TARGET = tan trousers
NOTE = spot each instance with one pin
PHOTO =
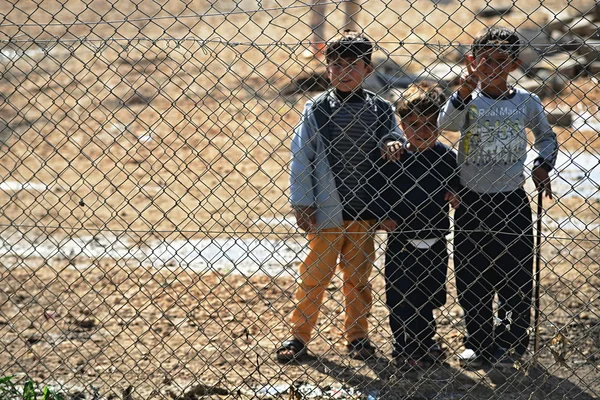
(353, 245)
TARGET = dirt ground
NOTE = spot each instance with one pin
(164, 332)
(119, 145)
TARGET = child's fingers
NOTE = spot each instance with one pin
(469, 59)
(393, 151)
(470, 68)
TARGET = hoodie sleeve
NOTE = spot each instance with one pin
(384, 193)
(454, 184)
(302, 166)
(452, 117)
(545, 143)
(393, 131)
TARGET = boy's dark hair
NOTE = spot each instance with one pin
(504, 39)
(349, 45)
(423, 98)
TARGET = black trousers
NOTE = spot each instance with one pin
(415, 286)
(494, 255)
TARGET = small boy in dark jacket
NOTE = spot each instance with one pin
(414, 210)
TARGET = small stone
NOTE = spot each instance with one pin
(445, 74)
(560, 117)
(565, 64)
(87, 323)
(557, 22)
(546, 84)
(566, 41)
(584, 28)
(455, 53)
(34, 338)
(534, 43)
(574, 304)
(585, 315)
(77, 395)
(594, 68)
(496, 11)
(590, 49)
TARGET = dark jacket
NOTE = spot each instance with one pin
(413, 192)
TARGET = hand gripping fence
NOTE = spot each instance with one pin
(198, 203)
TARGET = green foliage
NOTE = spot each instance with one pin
(7, 388)
(50, 394)
(28, 391)
(9, 391)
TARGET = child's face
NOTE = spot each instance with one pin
(421, 131)
(346, 74)
(492, 67)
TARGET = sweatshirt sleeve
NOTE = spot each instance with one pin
(545, 142)
(393, 131)
(383, 192)
(452, 117)
(302, 166)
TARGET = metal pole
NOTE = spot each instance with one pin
(352, 8)
(538, 251)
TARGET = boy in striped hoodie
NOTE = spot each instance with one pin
(342, 139)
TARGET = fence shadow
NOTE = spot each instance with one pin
(440, 382)
(445, 381)
(547, 385)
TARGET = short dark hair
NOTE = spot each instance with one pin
(350, 45)
(504, 39)
(423, 98)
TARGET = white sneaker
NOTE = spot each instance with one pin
(470, 359)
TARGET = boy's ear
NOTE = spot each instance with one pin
(370, 68)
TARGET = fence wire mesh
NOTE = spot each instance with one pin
(148, 248)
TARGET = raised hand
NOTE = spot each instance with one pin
(392, 151)
(468, 80)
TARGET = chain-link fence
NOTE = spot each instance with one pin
(148, 245)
